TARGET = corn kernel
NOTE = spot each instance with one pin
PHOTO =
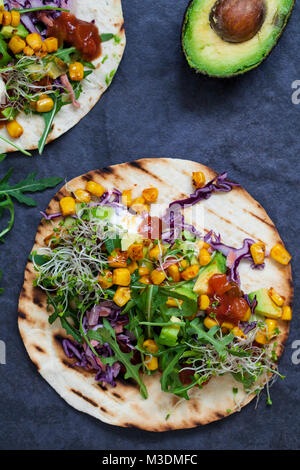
(95, 188)
(67, 206)
(286, 313)
(202, 244)
(133, 266)
(44, 105)
(122, 296)
(173, 272)
(156, 251)
(258, 251)
(76, 72)
(42, 52)
(150, 346)
(173, 302)
(144, 271)
(1, 15)
(16, 44)
(204, 257)
(6, 20)
(280, 254)
(150, 195)
(198, 179)
(210, 322)
(238, 332)
(204, 302)
(118, 259)
(51, 44)
(277, 299)
(184, 263)
(106, 280)
(226, 325)
(34, 40)
(136, 251)
(14, 129)
(15, 18)
(83, 196)
(28, 51)
(247, 315)
(157, 277)
(145, 280)
(139, 206)
(190, 272)
(121, 277)
(151, 363)
(265, 336)
(127, 198)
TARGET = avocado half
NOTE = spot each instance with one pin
(224, 38)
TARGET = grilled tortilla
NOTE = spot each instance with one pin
(235, 215)
(108, 17)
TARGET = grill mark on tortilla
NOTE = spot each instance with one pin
(102, 387)
(37, 302)
(92, 402)
(38, 348)
(259, 218)
(103, 409)
(139, 166)
(109, 170)
(68, 364)
(115, 394)
(230, 223)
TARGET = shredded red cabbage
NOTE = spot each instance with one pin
(233, 255)
(174, 220)
(218, 184)
(86, 358)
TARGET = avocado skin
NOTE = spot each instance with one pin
(265, 306)
(239, 72)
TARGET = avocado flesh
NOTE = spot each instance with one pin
(10, 31)
(265, 305)
(216, 266)
(209, 54)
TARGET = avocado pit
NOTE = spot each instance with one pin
(237, 20)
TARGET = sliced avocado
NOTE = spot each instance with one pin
(36, 71)
(169, 334)
(216, 266)
(228, 37)
(9, 31)
(265, 305)
(128, 239)
(55, 68)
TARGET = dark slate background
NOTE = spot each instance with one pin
(157, 107)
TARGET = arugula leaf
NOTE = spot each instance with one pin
(7, 204)
(65, 54)
(5, 57)
(209, 336)
(113, 243)
(49, 118)
(168, 369)
(3, 156)
(108, 335)
(15, 146)
(189, 306)
(28, 185)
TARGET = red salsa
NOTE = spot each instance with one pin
(78, 33)
(226, 300)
